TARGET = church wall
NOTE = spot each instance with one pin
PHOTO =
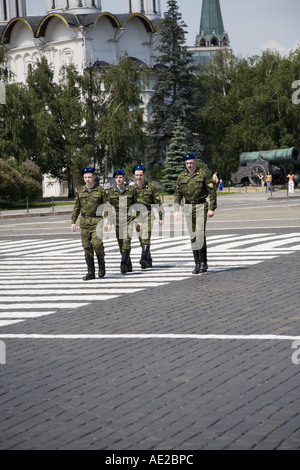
(136, 41)
(101, 40)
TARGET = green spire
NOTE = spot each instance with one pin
(211, 18)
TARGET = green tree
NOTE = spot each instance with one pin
(58, 115)
(18, 181)
(173, 164)
(246, 105)
(120, 126)
(17, 127)
(173, 96)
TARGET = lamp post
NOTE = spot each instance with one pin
(92, 114)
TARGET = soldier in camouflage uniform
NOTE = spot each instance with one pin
(148, 196)
(195, 185)
(88, 199)
(122, 197)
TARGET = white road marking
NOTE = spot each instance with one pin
(39, 277)
(154, 336)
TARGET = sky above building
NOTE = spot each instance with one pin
(252, 25)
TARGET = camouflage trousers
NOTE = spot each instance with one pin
(124, 232)
(196, 217)
(90, 241)
(146, 230)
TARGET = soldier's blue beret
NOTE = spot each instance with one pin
(88, 170)
(189, 156)
(119, 173)
(138, 167)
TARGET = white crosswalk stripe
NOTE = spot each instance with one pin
(39, 277)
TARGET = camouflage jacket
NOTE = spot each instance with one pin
(196, 187)
(148, 195)
(121, 200)
(87, 202)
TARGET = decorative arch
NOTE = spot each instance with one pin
(44, 23)
(214, 41)
(160, 24)
(147, 23)
(5, 39)
(112, 18)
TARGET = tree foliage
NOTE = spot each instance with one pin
(173, 164)
(19, 181)
(173, 96)
(120, 125)
(76, 121)
(57, 112)
(246, 105)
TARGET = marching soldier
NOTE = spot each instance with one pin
(148, 196)
(89, 198)
(122, 197)
(195, 185)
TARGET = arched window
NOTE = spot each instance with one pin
(53, 4)
(202, 42)
(17, 8)
(142, 6)
(154, 6)
(214, 41)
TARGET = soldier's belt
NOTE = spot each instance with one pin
(197, 201)
(90, 215)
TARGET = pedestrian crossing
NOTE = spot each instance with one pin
(39, 277)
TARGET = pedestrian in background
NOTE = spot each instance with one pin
(262, 181)
(269, 181)
(106, 185)
(290, 178)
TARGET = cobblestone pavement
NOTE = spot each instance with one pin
(167, 361)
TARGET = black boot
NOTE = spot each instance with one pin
(197, 261)
(101, 264)
(149, 261)
(91, 269)
(129, 265)
(203, 259)
(124, 262)
(145, 256)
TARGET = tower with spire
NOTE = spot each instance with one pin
(212, 36)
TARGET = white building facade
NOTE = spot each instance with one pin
(78, 32)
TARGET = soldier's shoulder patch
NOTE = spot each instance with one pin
(211, 185)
